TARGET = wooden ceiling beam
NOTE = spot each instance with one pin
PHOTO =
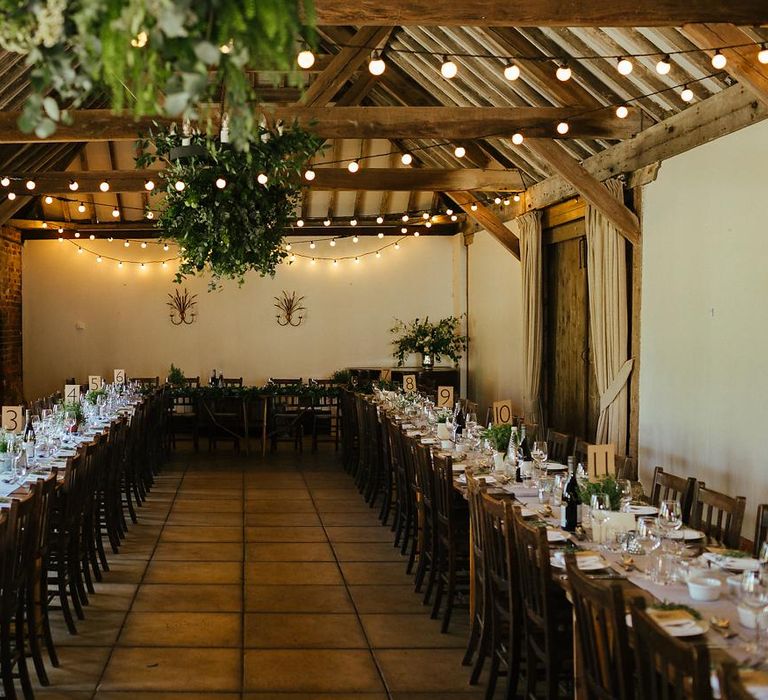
(590, 188)
(541, 13)
(488, 219)
(355, 122)
(742, 63)
(330, 179)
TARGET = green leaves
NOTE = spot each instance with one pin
(438, 339)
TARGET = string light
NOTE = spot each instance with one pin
(355, 239)
(517, 138)
(378, 254)
(179, 185)
(149, 185)
(335, 262)
(61, 240)
(397, 246)
(92, 237)
(516, 198)
(11, 196)
(664, 66)
(762, 55)
(81, 208)
(165, 247)
(428, 224)
(143, 244)
(459, 151)
(353, 222)
(300, 223)
(624, 66)
(377, 65)
(622, 112)
(406, 159)
(305, 59)
(5, 182)
(262, 179)
(150, 215)
(473, 206)
(449, 211)
(221, 183)
(104, 186)
(511, 71)
(404, 230)
(563, 128)
(416, 234)
(448, 68)
(127, 244)
(77, 234)
(60, 229)
(379, 219)
(74, 186)
(454, 217)
(48, 199)
(333, 243)
(497, 200)
(380, 234)
(719, 60)
(425, 216)
(98, 259)
(357, 260)
(80, 250)
(120, 263)
(353, 166)
(309, 175)
(312, 245)
(30, 185)
(405, 217)
(687, 94)
(563, 72)
(326, 223)
(116, 212)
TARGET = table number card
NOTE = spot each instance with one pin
(119, 376)
(385, 375)
(502, 412)
(409, 383)
(71, 393)
(445, 397)
(13, 418)
(95, 382)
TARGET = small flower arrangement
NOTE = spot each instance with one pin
(439, 339)
(498, 436)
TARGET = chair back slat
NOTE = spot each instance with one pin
(718, 515)
(667, 487)
(558, 445)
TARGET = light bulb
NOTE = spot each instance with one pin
(262, 179)
(313, 261)
(397, 246)
(77, 234)
(406, 159)
(403, 230)
(473, 206)
(379, 219)
(116, 213)
(98, 259)
(312, 245)
(164, 264)
(416, 234)
(624, 66)
(512, 71)
(179, 185)
(448, 68)
(300, 222)
(333, 243)
(687, 94)
(353, 166)
(719, 60)
(81, 208)
(563, 72)
(378, 254)
(335, 262)
(563, 128)
(61, 240)
(104, 186)
(11, 196)
(506, 202)
(377, 65)
(353, 222)
(459, 151)
(110, 239)
(61, 229)
(327, 222)
(120, 263)
(127, 244)
(221, 183)
(449, 212)
(288, 247)
(45, 224)
(517, 138)
(355, 239)
(142, 266)
(357, 260)
(309, 175)
(48, 199)
(516, 198)
(428, 224)
(150, 215)
(30, 185)
(92, 236)
(74, 186)
(664, 66)
(79, 250)
(622, 112)
(143, 244)
(762, 55)
(165, 247)
(5, 182)
(305, 59)
(405, 217)
(292, 258)
(454, 217)
(425, 216)
(497, 200)
(149, 185)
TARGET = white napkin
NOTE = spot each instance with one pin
(740, 563)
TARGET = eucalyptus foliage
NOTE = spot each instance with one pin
(154, 57)
(437, 339)
(238, 228)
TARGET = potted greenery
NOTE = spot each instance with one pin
(4, 461)
(176, 377)
(432, 340)
(92, 397)
(75, 408)
(498, 436)
(607, 485)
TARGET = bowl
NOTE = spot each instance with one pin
(748, 617)
(704, 589)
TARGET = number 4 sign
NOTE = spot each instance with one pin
(12, 419)
(71, 393)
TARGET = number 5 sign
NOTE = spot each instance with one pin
(94, 382)
(11, 419)
(445, 397)
(409, 383)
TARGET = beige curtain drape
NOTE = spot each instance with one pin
(607, 274)
(529, 231)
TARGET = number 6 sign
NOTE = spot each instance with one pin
(409, 383)
(119, 376)
(11, 419)
(445, 397)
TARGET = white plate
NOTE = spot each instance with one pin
(594, 563)
(643, 510)
(691, 628)
(555, 467)
(686, 533)
(732, 563)
(556, 536)
(429, 441)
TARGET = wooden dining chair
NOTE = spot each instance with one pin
(601, 461)
(479, 633)
(232, 381)
(558, 445)
(580, 451)
(285, 382)
(731, 684)
(192, 381)
(668, 486)
(547, 615)
(425, 479)
(531, 433)
(350, 437)
(761, 528)
(718, 515)
(625, 467)
(146, 381)
(605, 657)
(667, 667)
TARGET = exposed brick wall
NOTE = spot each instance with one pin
(11, 390)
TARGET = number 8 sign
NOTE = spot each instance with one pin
(409, 383)
(445, 397)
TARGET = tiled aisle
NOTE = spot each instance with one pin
(261, 580)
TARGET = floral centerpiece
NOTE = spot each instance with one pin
(432, 340)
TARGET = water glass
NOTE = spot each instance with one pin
(625, 494)
(546, 484)
(754, 596)
(600, 508)
(670, 519)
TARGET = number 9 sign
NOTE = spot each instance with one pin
(409, 383)
(445, 397)
(11, 419)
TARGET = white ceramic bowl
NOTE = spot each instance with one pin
(704, 588)
(747, 617)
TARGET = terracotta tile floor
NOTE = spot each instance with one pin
(265, 579)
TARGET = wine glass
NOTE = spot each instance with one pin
(648, 539)
(69, 421)
(625, 494)
(539, 454)
(600, 509)
(670, 519)
(754, 596)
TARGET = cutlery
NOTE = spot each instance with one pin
(722, 625)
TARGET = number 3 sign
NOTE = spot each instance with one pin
(12, 419)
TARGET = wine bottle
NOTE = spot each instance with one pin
(524, 447)
(29, 429)
(459, 422)
(569, 508)
(212, 380)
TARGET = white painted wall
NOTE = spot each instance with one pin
(350, 310)
(704, 332)
(495, 323)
